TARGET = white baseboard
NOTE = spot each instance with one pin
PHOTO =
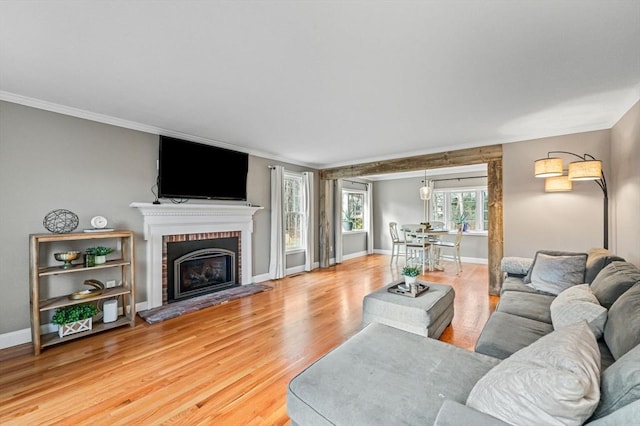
(354, 255)
(15, 338)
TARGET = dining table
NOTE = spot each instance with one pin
(420, 233)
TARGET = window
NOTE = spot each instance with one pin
(293, 211)
(353, 203)
(451, 206)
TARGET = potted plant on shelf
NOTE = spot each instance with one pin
(74, 318)
(410, 274)
(100, 253)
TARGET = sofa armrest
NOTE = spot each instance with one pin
(515, 266)
(453, 413)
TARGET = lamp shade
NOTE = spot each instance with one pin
(547, 167)
(557, 184)
(425, 193)
(585, 170)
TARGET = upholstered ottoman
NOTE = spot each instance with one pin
(427, 314)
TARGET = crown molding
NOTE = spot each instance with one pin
(132, 125)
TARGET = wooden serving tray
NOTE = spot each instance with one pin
(401, 289)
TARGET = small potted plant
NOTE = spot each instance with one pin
(74, 318)
(100, 253)
(462, 221)
(347, 220)
(410, 274)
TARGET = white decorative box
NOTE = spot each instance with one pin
(75, 327)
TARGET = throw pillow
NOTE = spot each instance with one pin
(553, 274)
(527, 278)
(513, 265)
(622, 331)
(553, 381)
(598, 258)
(576, 304)
(613, 280)
(620, 384)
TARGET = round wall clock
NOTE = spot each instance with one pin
(99, 222)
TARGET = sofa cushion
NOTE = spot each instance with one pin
(614, 279)
(598, 258)
(381, 375)
(577, 304)
(622, 331)
(527, 305)
(504, 334)
(517, 284)
(554, 381)
(627, 415)
(555, 273)
(620, 384)
(455, 414)
(527, 278)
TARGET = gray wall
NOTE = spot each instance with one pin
(50, 161)
(534, 219)
(625, 177)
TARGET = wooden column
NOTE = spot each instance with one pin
(495, 237)
(325, 223)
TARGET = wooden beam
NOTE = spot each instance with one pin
(462, 157)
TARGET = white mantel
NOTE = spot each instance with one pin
(174, 219)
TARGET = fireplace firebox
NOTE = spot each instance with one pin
(199, 267)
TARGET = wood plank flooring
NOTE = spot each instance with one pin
(225, 365)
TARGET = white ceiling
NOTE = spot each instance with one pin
(328, 83)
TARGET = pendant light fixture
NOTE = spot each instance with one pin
(425, 195)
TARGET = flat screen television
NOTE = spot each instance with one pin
(194, 170)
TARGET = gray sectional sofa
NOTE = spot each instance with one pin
(384, 376)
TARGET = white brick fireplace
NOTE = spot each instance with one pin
(162, 220)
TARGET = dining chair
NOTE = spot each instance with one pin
(416, 248)
(454, 246)
(397, 243)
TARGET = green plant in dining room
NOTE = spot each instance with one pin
(348, 219)
(410, 271)
(73, 313)
(461, 219)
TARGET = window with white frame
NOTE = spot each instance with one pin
(294, 217)
(461, 205)
(353, 210)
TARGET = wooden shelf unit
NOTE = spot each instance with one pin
(39, 275)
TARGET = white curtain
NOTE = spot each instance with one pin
(278, 259)
(307, 230)
(337, 215)
(369, 214)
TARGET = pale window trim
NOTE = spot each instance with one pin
(362, 225)
(300, 247)
(481, 194)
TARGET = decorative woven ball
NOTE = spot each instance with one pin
(60, 221)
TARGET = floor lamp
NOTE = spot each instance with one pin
(588, 168)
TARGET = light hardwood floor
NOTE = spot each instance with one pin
(225, 365)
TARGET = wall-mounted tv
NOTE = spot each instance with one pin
(194, 170)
